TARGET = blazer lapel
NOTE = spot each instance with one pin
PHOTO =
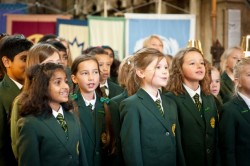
(245, 111)
(86, 117)
(8, 83)
(190, 106)
(71, 125)
(99, 117)
(148, 102)
(51, 122)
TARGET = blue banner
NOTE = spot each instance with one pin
(174, 30)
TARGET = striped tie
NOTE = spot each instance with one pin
(158, 104)
(197, 101)
(62, 122)
(103, 89)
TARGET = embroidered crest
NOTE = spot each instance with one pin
(173, 128)
(212, 122)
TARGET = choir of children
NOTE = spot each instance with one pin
(179, 113)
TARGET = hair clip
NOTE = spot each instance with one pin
(129, 62)
(73, 96)
(105, 100)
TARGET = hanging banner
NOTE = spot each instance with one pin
(174, 29)
(108, 31)
(76, 32)
(33, 25)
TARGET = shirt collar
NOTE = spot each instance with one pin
(158, 96)
(105, 84)
(87, 102)
(191, 92)
(17, 84)
(55, 113)
(245, 98)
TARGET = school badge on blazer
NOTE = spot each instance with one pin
(173, 128)
(212, 122)
(77, 148)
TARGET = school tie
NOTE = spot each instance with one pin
(197, 101)
(62, 122)
(158, 104)
(103, 89)
(90, 106)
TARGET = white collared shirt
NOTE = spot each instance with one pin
(17, 84)
(158, 96)
(191, 92)
(87, 102)
(245, 98)
(106, 89)
(55, 113)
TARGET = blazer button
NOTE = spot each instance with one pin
(167, 133)
(208, 150)
(70, 156)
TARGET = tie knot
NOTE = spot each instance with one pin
(197, 101)
(196, 96)
(158, 101)
(158, 104)
(104, 87)
(59, 116)
(103, 90)
(90, 106)
(62, 122)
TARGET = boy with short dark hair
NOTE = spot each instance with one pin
(13, 54)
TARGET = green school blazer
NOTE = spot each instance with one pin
(114, 89)
(119, 98)
(92, 126)
(42, 141)
(198, 133)
(13, 125)
(147, 137)
(234, 133)
(226, 88)
(8, 92)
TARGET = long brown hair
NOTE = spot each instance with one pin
(175, 82)
(124, 70)
(109, 145)
(142, 58)
(35, 99)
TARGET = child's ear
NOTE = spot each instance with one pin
(140, 73)
(73, 77)
(6, 61)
